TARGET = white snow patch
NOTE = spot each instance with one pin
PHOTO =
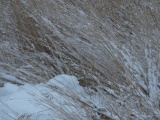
(18, 100)
(9, 77)
(51, 26)
(24, 1)
(8, 89)
(82, 13)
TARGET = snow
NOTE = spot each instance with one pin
(5, 77)
(24, 1)
(8, 89)
(51, 26)
(152, 70)
(60, 98)
(16, 101)
(82, 13)
(70, 82)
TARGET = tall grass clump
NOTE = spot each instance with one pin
(112, 47)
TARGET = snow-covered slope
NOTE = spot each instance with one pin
(33, 101)
(60, 98)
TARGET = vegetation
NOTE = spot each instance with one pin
(109, 45)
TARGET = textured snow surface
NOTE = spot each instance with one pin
(16, 101)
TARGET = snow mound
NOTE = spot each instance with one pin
(8, 89)
(21, 101)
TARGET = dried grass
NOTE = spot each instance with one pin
(81, 44)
